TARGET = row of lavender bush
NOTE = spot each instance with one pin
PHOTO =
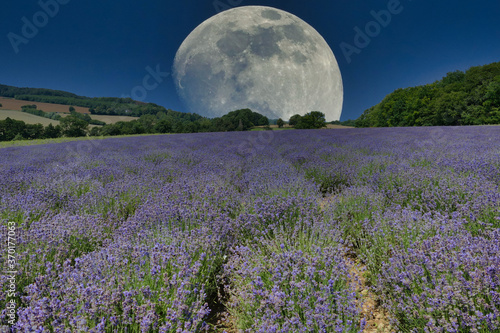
(158, 234)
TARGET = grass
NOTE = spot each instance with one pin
(112, 119)
(28, 118)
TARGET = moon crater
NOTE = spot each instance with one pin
(260, 58)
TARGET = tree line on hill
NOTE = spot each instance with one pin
(97, 105)
(177, 122)
(461, 98)
(77, 125)
(73, 125)
(11, 129)
(32, 109)
(152, 118)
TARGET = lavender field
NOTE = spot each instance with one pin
(290, 231)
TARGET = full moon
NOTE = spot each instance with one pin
(260, 58)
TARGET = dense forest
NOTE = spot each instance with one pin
(460, 98)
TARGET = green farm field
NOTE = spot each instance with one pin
(32, 119)
(112, 119)
(26, 117)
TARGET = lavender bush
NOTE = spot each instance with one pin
(445, 284)
(291, 291)
(162, 233)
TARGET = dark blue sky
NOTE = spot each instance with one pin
(102, 48)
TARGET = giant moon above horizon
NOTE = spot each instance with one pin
(260, 58)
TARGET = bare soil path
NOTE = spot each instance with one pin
(376, 318)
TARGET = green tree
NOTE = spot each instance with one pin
(239, 120)
(10, 128)
(205, 125)
(190, 127)
(52, 132)
(95, 131)
(163, 126)
(71, 109)
(312, 120)
(453, 79)
(493, 93)
(294, 120)
(178, 127)
(459, 98)
(73, 126)
(110, 130)
(148, 122)
(33, 132)
(280, 123)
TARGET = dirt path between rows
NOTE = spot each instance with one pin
(376, 318)
(223, 323)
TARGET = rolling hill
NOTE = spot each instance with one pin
(26, 117)
(94, 105)
(15, 104)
